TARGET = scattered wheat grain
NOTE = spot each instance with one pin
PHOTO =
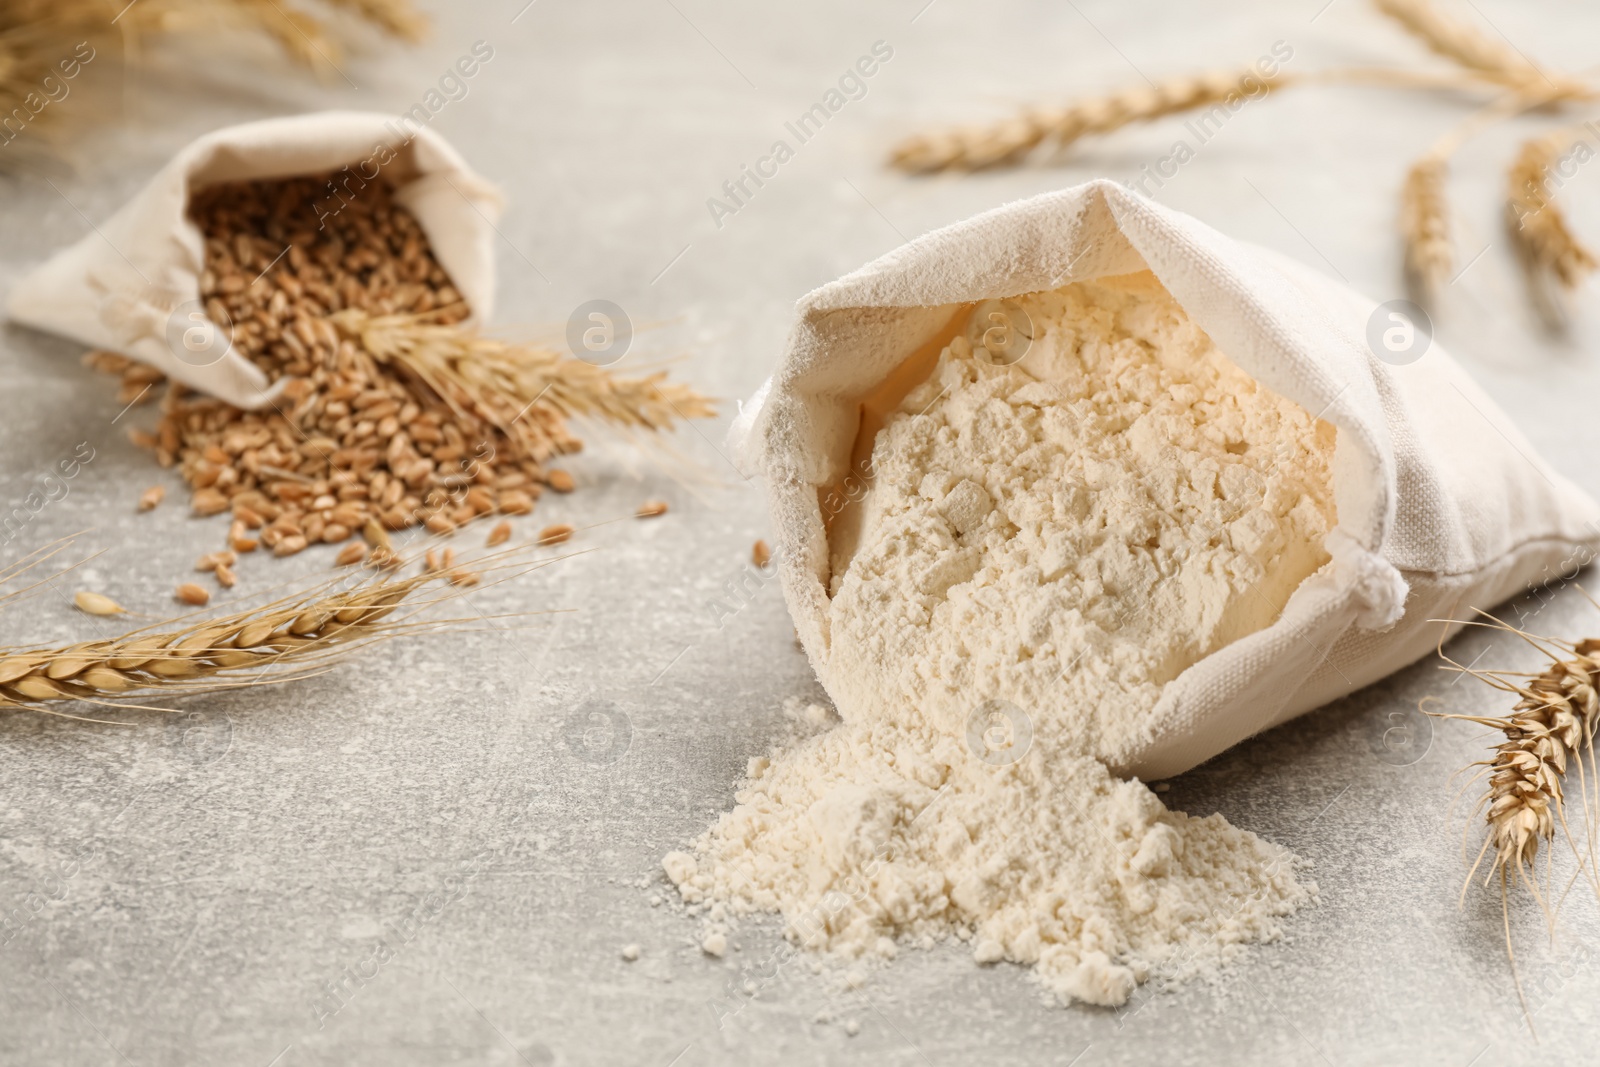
(516, 502)
(190, 593)
(289, 545)
(389, 410)
(96, 603)
(207, 502)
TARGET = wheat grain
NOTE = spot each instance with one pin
(290, 545)
(556, 533)
(96, 604)
(499, 535)
(1425, 224)
(194, 595)
(375, 535)
(760, 554)
(1537, 224)
(152, 497)
(651, 509)
(516, 502)
(980, 147)
(389, 411)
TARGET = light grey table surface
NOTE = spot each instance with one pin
(182, 892)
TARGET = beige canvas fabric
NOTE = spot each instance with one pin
(1442, 504)
(132, 284)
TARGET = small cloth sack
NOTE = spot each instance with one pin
(1442, 505)
(133, 285)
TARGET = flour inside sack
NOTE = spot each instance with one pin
(1069, 531)
(1063, 516)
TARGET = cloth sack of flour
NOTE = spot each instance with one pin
(132, 285)
(1442, 505)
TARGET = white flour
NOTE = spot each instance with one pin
(1069, 533)
(1043, 547)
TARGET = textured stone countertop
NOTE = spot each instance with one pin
(182, 891)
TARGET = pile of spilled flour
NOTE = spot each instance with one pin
(1046, 542)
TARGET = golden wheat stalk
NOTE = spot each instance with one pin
(1549, 733)
(1425, 224)
(1539, 229)
(293, 637)
(274, 643)
(1424, 206)
(978, 147)
(39, 45)
(1009, 141)
(305, 37)
(37, 36)
(501, 382)
(1462, 44)
(398, 18)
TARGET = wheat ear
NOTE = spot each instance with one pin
(272, 643)
(1544, 241)
(977, 147)
(36, 36)
(1460, 43)
(305, 38)
(1424, 207)
(1550, 728)
(1549, 733)
(500, 382)
(1425, 224)
(398, 18)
